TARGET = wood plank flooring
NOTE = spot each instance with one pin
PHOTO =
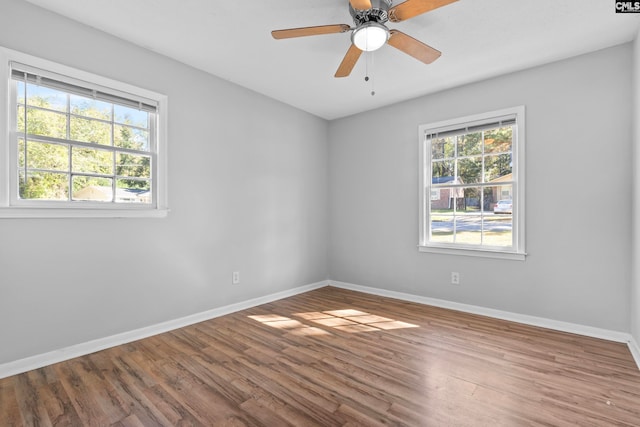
(333, 357)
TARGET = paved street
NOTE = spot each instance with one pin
(489, 222)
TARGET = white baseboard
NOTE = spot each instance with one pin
(45, 359)
(635, 350)
(557, 325)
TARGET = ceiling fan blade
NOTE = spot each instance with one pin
(348, 62)
(411, 8)
(309, 31)
(360, 4)
(413, 47)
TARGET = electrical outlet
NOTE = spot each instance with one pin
(455, 278)
(235, 278)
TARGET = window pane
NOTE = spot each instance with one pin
(441, 228)
(499, 198)
(498, 140)
(43, 122)
(443, 171)
(435, 197)
(40, 96)
(133, 165)
(20, 92)
(90, 107)
(131, 116)
(498, 227)
(498, 230)
(470, 144)
(20, 153)
(470, 200)
(89, 160)
(42, 155)
(442, 148)
(442, 199)
(488, 199)
(44, 186)
(92, 188)
(468, 229)
(470, 170)
(133, 138)
(20, 119)
(133, 191)
(499, 166)
(87, 130)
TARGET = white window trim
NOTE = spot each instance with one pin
(50, 210)
(518, 251)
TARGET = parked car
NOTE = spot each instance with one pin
(503, 206)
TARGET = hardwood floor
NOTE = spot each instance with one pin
(333, 357)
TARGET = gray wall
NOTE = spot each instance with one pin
(251, 179)
(578, 151)
(247, 192)
(635, 284)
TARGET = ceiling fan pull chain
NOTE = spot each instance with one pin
(373, 88)
(366, 67)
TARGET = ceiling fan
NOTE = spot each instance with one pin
(370, 33)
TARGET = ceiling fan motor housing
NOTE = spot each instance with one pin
(378, 13)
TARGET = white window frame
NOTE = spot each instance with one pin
(10, 204)
(517, 251)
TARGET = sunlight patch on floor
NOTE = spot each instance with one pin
(293, 326)
(348, 320)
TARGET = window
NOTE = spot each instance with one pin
(79, 144)
(472, 185)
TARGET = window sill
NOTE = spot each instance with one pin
(24, 213)
(482, 253)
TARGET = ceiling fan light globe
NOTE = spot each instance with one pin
(370, 36)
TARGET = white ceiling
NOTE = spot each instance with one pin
(231, 39)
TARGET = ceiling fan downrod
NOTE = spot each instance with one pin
(379, 13)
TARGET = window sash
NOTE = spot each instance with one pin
(429, 138)
(71, 174)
